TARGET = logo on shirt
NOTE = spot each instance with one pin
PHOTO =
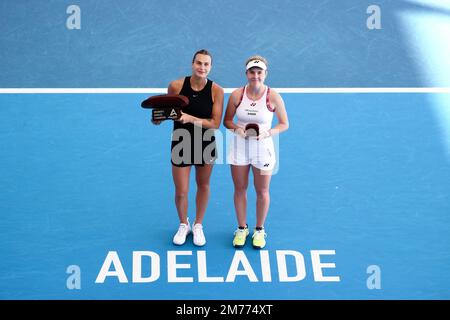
(253, 104)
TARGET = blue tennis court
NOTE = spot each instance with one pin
(360, 202)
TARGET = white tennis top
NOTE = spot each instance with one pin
(259, 111)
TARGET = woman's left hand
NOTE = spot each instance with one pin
(264, 134)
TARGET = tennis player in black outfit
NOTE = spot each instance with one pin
(193, 143)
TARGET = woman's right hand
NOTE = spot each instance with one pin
(240, 132)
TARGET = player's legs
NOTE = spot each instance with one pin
(240, 180)
(181, 180)
(261, 182)
(202, 177)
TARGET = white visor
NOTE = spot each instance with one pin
(256, 63)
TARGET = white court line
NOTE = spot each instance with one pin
(227, 90)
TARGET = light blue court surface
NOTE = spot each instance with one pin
(362, 194)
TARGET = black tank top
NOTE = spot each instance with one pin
(200, 106)
(200, 102)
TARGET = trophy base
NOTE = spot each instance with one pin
(161, 114)
(252, 130)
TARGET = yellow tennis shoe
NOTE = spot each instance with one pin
(240, 235)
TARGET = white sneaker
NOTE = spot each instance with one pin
(199, 236)
(180, 237)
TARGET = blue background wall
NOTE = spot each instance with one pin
(149, 43)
